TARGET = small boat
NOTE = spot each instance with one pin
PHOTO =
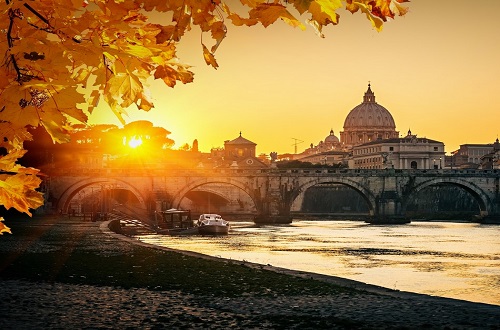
(212, 224)
(175, 222)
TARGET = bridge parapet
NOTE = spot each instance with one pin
(275, 190)
(102, 172)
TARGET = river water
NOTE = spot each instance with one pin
(449, 259)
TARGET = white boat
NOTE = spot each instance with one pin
(212, 224)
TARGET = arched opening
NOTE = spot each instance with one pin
(206, 201)
(334, 200)
(95, 199)
(217, 197)
(413, 165)
(443, 201)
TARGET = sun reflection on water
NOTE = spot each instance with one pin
(457, 260)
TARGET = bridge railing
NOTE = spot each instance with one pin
(137, 172)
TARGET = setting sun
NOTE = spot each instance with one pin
(134, 142)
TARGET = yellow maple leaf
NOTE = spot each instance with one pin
(377, 22)
(378, 11)
(209, 57)
(237, 20)
(18, 184)
(268, 13)
(219, 32)
(324, 11)
(165, 34)
(167, 74)
(8, 162)
(301, 5)
(3, 227)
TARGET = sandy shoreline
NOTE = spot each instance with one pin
(40, 304)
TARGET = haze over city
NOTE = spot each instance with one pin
(436, 70)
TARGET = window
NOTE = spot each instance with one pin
(435, 148)
(391, 148)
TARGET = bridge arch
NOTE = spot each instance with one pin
(365, 193)
(70, 192)
(481, 197)
(208, 190)
(181, 194)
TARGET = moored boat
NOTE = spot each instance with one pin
(175, 222)
(212, 224)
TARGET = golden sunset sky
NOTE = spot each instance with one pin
(437, 70)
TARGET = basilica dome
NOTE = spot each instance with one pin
(369, 114)
(367, 122)
(332, 139)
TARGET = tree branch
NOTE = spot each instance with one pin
(46, 21)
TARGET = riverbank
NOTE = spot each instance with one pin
(61, 273)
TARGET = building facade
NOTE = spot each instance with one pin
(409, 152)
(327, 152)
(240, 153)
(492, 160)
(472, 155)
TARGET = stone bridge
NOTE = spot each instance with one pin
(273, 192)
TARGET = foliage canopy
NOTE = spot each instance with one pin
(60, 57)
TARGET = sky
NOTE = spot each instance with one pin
(436, 69)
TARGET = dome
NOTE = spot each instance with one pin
(370, 115)
(332, 139)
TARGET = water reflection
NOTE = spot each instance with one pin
(458, 260)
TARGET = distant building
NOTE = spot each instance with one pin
(368, 122)
(470, 155)
(238, 154)
(327, 152)
(327, 158)
(409, 152)
(370, 140)
(492, 160)
(239, 148)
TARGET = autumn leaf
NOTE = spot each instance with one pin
(17, 191)
(376, 21)
(171, 75)
(301, 5)
(268, 13)
(209, 57)
(13, 137)
(3, 227)
(8, 162)
(324, 11)
(18, 184)
(166, 33)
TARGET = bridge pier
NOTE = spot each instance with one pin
(388, 208)
(275, 205)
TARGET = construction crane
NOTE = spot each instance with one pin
(296, 143)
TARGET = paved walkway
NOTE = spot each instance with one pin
(27, 304)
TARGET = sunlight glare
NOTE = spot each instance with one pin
(134, 142)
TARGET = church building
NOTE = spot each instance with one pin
(239, 153)
(367, 122)
(370, 141)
